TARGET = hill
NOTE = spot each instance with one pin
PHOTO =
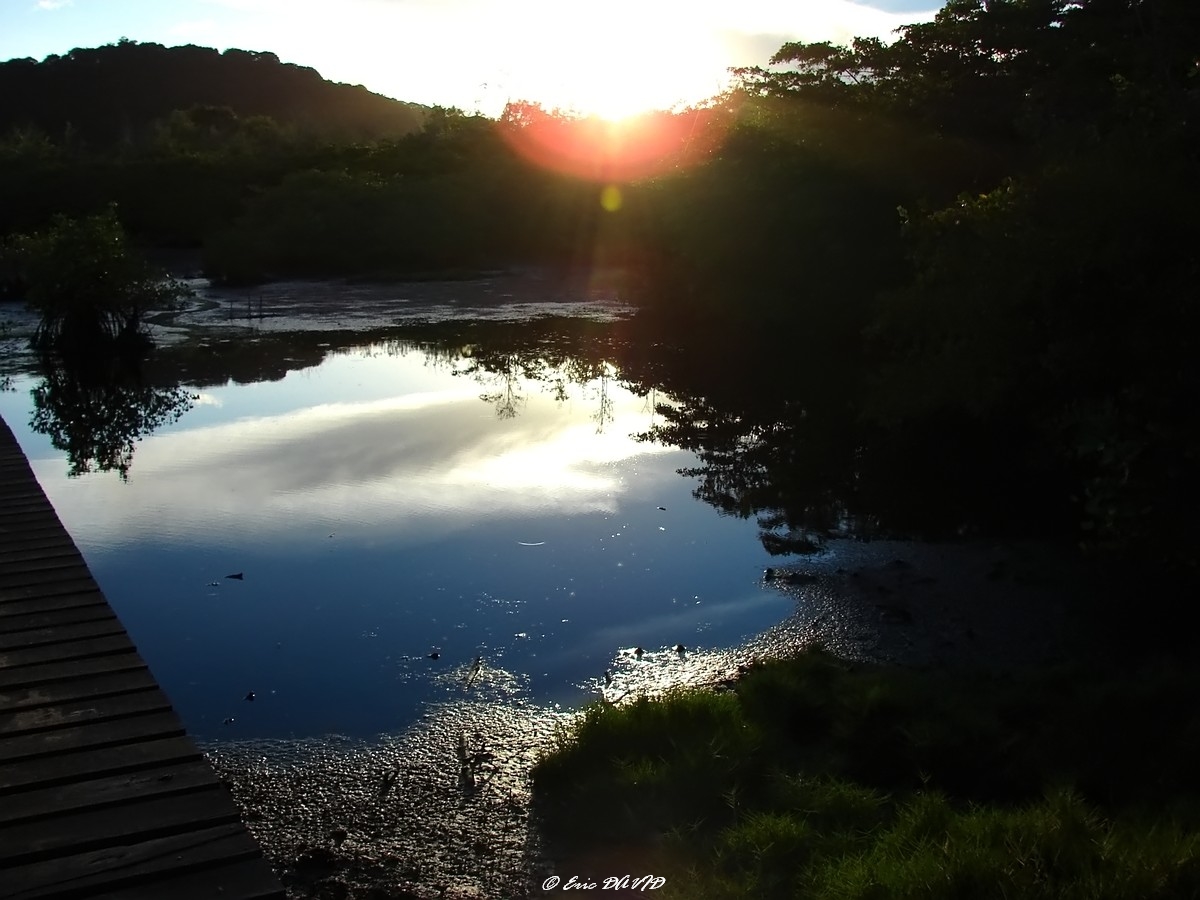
(116, 93)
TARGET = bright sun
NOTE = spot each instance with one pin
(613, 60)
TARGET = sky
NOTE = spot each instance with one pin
(611, 57)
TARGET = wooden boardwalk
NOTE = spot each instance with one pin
(102, 794)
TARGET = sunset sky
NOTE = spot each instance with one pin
(605, 56)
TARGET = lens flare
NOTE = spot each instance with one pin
(614, 152)
(610, 198)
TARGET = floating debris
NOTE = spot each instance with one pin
(473, 675)
(389, 779)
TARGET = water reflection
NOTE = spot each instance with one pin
(502, 492)
(96, 409)
(394, 525)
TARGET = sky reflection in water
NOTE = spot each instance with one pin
(380, 511)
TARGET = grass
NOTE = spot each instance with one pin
(820, 779)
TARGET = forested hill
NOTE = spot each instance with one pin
(119, 91)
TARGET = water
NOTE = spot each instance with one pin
(390, 504)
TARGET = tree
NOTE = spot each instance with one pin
(86, 284)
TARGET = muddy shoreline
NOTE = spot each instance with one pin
(444, 809)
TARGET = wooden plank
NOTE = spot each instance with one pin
(22, 489)
(43, 529)
(24, 520)
(61, 634)
(71, 586)
(79, 712)
(13, 625)
(106, 793)
(90, 736)
(249, 879)
(41, 540)
(49, 575)
(77, 689)
(102, 794)
(46, 604)
(12, 555)
(65, 650)
(38, 560)
(50, 672)
(93, 829)
(27, 501)
(39, 773)
(85, 875)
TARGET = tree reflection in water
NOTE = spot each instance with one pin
(96, 409)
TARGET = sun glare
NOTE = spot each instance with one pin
(613, 60)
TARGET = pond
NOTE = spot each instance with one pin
(393, 525)
(418, 540)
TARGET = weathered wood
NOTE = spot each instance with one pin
(62, 633)
(52, 618)
(45, 604)
(245, 880)
(93, 829)
(27, 520)
(86, 875)
(66, 650)
(67, 571)
(103, 793)
(79, 585)
(91, 735)
(49, 672)
(54, 558)
(80, 712)
(76, 689)
(70, 767)
(13, 555)
(20, 543)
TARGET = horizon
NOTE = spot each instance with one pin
(613, 60)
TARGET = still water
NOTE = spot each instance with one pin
(409, 529)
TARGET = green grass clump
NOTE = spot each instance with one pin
(634, 768)
(817, 778)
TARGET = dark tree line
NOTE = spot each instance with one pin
(118, 93)
(982, 232)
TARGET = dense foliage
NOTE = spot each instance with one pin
(812, 777)
(125, 93)
(86, 285)
(979, 231)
